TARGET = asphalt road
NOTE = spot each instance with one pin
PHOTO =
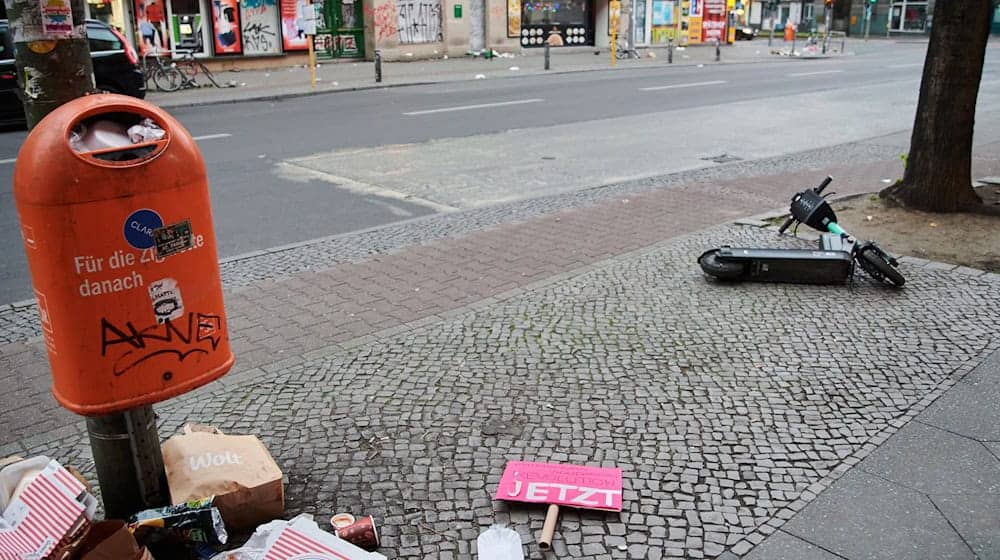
(257, 208)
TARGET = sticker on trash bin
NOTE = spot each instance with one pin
(172, 239)
(167, 302)
(139, 227)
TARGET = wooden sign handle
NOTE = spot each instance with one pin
(545, 541)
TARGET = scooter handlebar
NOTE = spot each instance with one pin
(785, 225)
(826, 182)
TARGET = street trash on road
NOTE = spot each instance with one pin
(195, 522)
(111, 540)
(238, 470)
(499, 543)
(341, 520)
(46, 510)
(362, 533)
(300, 537)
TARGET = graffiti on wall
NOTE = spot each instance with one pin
(419, 21)
(385, 20)
(260, 27)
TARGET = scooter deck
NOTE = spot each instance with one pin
(796, 266)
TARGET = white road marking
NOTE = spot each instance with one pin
(8, 160)
(676, 86)
(212, 136)
(800, 74)
(471, 107)
(914, 65)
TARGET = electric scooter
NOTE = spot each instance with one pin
(832, 263)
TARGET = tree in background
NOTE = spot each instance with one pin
(51, 54)
(938, 176)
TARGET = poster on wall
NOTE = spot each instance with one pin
(293, 25)
(513, 18)
(695, 10)
(226, 32)
(151, 21)
(260, 20)
(713, 25)
(694, 30)
(57, 18)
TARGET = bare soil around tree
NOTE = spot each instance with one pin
(961, 238)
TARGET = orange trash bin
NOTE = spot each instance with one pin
(789, 32)
(119, 239)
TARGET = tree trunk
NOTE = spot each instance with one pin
(938, 175)
(53, 64)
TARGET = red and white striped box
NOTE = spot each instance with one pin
(50, 509)
(304, 540)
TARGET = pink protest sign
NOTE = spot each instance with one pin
(564, 485)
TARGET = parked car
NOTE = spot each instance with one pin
(116, 68)
(745, 33)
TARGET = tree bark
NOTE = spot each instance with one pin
(938, 176)
(51, 68)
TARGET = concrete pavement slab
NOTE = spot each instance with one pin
(972, 407)
(784, 546)
(931, 460)
(866, 517)
(976, 517)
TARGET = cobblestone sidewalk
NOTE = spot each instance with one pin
(729, 408)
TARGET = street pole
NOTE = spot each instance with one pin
(670, 51)
(770, 38)
(51, 54)
(868, 20)
(53, 64)
(378, 64)
(546, 55)
(128, 461)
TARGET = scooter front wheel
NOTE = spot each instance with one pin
(717, 268)
(878, 268)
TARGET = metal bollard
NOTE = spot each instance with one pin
(718, 53)
(378, 66)
(843, 43)
(546, 55)
(670, 51)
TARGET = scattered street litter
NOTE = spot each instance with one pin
(560, 485)
(46, 510)
(480, 76)
(341, 520)
(111, 540)
(299, 538)
(362, 533)
(499, 543)
(145, 131)
(238, 470)
(197, 521)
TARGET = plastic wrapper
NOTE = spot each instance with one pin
(499, 543)
(192, 523)
(99, 135)
(145, 131)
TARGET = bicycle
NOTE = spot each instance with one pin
(190, 67)
(166, 77)
(622, 51)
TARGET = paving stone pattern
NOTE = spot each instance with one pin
(729, 407)
(871, 161)
(277, 320)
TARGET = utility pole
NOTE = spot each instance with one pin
(52, 57)
(868, 19)
(51, 54)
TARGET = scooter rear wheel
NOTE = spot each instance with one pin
(879, 269)
(723, 270)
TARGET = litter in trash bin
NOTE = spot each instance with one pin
(145, 131)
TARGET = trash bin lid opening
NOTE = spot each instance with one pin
(117, 138)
